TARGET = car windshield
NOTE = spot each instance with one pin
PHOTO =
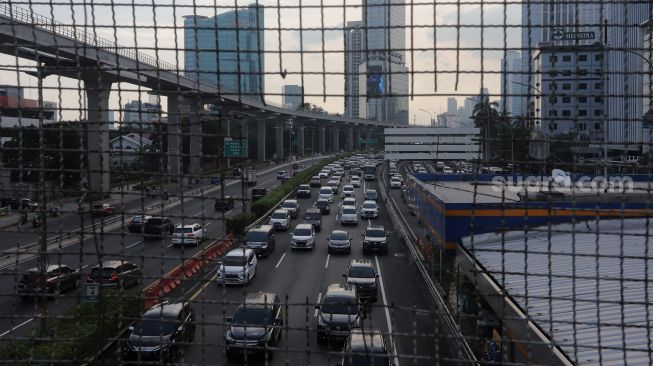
(256, 236)
(235, 261)
(359, 359)
(186, 230)
(332, 183)
(349, 188)
(375, 233)
(278, 215)
(312, 215)
(370, 193)
(252, 316)
(321, 203)
(302, 232)
(154, 222)
(339, 305)
(361, 272)
(154, 327)
(289, 204)
(339, 236)
(137, 219)
(31, 279)
(102, 272)
(369, 205)
(348, 211)
(304, 187)
(326, 191)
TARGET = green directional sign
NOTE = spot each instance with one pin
(235, 148)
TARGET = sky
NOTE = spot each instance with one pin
(430, 25)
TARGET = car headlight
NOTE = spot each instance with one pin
(241, 275)
(356, 322)
(321, 322)
(220, 272)
(228, 337)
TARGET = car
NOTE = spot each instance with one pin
(333, 184)
(156, 227)
(258, 193)
(369, 210)
(349, 201)
(58, 279)
(261, 240)
(447, 170)
(355, 181)
(348, 215)
(135, 224)
(361, 273)
(326, 193)
(316, 181)
(313, 216)
(323, 205)
(365, 347)
(293, 208)
(347, 191)
(224, 204)
(102, 209)
(338, 312)
(28, 204)
(188, 234)
(160, 333)
(323, 174)
(281, 174)
(395, 182)
(116, 273)
(371, 195)
(280, 219)
(256, 325)
(355, 172)
(375, 239)
(304, 191)
(303, 237)
(238, 267)
(339, 242)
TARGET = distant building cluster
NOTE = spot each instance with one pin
(18, 111)
(138, 112)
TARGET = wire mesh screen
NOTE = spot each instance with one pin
(375, 182)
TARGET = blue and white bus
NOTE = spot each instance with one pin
(369, 172)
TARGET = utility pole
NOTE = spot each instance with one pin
(43, 248)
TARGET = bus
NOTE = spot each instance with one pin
(369, 172)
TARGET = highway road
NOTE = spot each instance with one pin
(110, 238)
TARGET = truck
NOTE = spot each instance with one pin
(369, 172)
(249, 175)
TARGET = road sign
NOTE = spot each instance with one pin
(92, 292)
(559, 34)
(235, 148)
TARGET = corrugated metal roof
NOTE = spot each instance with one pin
(470, 192)
(589, 286)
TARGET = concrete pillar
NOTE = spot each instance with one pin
(278, 132)
(174, 142)
(350, 138)
(195, 138)
(365, 134)
(357, 137)
(335, 139)
(300, 139)
(260, 140)
(226, 131)
(322, 139)
(99, 163)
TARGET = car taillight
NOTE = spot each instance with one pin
(114, 277)
(190, 235)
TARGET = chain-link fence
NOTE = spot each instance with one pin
(376, 182)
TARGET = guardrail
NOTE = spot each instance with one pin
(401, 226)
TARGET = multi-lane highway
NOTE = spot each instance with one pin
(110, 237)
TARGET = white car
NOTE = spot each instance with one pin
(326, 193)
(333, 184)
(395, 182)
(369, 210)
(347, 191)
(355, 181)
(348, 215)
(303, 237)
(323, 174)
(188, 234)
(238, 267)
(281, 174)
(349, 201)
(447, 170)
(280, 219)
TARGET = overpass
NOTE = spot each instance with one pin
(63, 50)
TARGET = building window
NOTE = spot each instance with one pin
(566, 86)
(553, 86)
(566, 72)
(566, 99)
(598, 57)
(582, 112)
(582, 86)
(566, 113)
(597, 113)
(553, 113)
(597, 126)
(582, 57)
(582, 72)
(566, 58)
(553, 73)
(553, 59)
(555, 126)
(582, 99)
(598, 86)
(598, 100)
(553, 100)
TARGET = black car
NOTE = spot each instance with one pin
(258, 193)
(256, 325)
(135, 225)
(119, 274)
(338, 313)
(20, 204)
(313, 216)
(303, 191)
(361, 273)
(157, 227)
(261, 240)
(366, 347)
(324, 206)
(160, 333)
(224, 204)
(58, 278)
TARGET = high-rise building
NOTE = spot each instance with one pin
(452, 106)
(293, 96)
(647, 50)
(140, 112)
(511, 84)
(615, 26)
(227, 50)
(384, 73)
(469, 111)
(354, 57)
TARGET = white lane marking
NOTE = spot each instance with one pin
(84, 266)
(228, 212)
(16, 327)
(169, 245)
(337, 216)
(280, 259)
(319, 297)
(197, 214)
(387, 312)
(264, 183)
(326, 265)
(138, 242)
(208, 223)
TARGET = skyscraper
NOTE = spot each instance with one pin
(511, 84)
(354, 57)
(384, 73)
(293, 96)
(227, 50)
(452, 106)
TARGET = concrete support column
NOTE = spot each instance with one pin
(279, 140)
(322, 140)
(365, 134)
(195, 138)
(335, 139)
(99, 158)
(260, 140)
(174, 142)
(350, 138)
(300, 139)
(357, 137)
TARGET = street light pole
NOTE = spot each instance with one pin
(430, 115)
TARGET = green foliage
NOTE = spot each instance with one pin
(78, 333)
(237, 224)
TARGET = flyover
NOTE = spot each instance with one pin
(63, 50)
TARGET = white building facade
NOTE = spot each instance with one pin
(511, 84)
(424, 143)
(354, 58)
(141, 112)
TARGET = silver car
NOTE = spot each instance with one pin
(339, 242)
(238, 267)
(349, 215)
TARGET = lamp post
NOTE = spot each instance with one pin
(430, 115)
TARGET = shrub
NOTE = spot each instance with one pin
(238, 223)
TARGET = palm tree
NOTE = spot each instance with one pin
(486, 116)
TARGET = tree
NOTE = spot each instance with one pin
(486, 117)
(311, 108)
